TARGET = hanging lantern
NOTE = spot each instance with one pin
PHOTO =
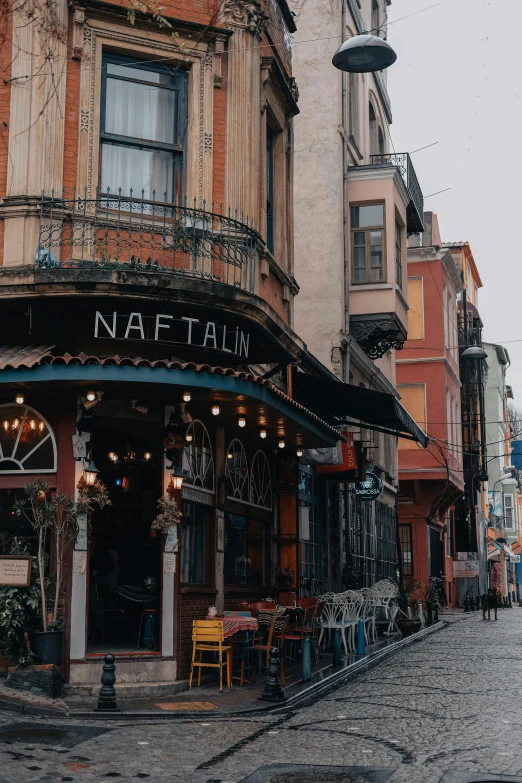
(19, 399)
(187, 396)
(215, 410)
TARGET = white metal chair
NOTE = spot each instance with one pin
(368, 614)
(354, 606)
(334, 616)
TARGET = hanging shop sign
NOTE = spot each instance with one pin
(15, 571)
(166, 328)
(514, 559)
(343, 462)
(370, 488)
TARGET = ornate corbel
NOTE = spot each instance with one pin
(77, 41)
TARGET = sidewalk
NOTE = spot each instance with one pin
(208, 701)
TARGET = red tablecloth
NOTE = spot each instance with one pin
(234, 623)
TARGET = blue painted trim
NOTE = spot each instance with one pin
(166, 377)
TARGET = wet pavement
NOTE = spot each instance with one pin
(444, 709)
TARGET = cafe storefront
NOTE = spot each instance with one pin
(143, 391)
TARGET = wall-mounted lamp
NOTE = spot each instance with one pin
(147, 456)
(113, 456)
(91, 474)
(189, 437)
(177, 478)
(90, 396)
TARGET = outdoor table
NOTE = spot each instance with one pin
(236, 623)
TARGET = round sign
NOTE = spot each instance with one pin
(370, 489)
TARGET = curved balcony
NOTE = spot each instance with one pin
(112, 231)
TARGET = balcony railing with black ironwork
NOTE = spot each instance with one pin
(114, 231)
(415, 210)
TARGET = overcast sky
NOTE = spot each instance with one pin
(458, 81)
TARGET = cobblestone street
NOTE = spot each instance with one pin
(445, 704)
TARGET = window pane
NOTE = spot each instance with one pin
(359, 257)
(372, 215)
(244, 551)
(193, 544)
(140, 111)
(359, 238)
(130, 72)
(129, 167)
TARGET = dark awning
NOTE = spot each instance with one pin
(337, 402)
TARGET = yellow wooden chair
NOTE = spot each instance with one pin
(207, 636)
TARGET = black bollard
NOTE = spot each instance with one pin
(472, 604)
(429, 607)
(466, 604)
(107, 694)
(510, 602)
(478, 602)
(273, 690)
(435, 612)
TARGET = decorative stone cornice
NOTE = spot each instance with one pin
(244, 14)
(271, 72)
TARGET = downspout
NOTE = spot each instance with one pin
(346, 326)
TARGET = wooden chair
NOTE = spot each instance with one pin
(208, 636)
(258, 605)
(288, 598)
(275, 638)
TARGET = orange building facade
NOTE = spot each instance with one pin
(431, 480)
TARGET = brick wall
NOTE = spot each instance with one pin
(193, 606)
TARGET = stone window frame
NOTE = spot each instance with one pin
(94, 37)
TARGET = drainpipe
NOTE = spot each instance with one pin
(345, 197)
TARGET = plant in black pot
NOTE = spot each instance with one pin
(406, 601)
(17, 604)
(52, 515)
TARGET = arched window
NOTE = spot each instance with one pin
(198, 462)
(27, 443)
(236, 471)
(260, 482)
(380, 140)
(374, 146)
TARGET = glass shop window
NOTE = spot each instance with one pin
(193, 544)
(245, 548)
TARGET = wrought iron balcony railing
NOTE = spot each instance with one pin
(415, 210)
(112, 231)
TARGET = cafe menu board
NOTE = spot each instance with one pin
(15, 571)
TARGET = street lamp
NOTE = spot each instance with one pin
(364, 54)
(474, 353)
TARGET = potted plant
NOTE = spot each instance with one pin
(406, 601)
(169, 514)
(284, 578)
(55, 515)
(16, 606)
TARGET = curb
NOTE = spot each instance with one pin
(315, 691)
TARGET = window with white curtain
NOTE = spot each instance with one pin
(143, 125)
